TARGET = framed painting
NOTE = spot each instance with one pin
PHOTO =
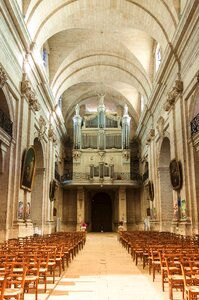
(175, 174)
(28, 169)
(150, 190)
(52, 190)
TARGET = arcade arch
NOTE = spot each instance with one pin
(37, 195)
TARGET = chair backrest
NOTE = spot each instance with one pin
(3, 286)
(173, 264)
(186, 275)
(16, 277)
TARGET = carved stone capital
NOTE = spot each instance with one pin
(150, 135)
(51, 134)
(25, 86)
(173, 94)
(167, 106)
(3, 77)
(42, 127)
(27, 91)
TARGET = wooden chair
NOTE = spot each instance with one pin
(175, 277)
(67, 254)
(155, 261)
(163, 269)
(191, 290)
(52, 262)
(43, 270)
(32, 277)
(3, 286)
(14, 284)
(59, 259)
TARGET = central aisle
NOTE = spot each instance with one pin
(104, 270)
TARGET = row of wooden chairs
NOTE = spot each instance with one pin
(175, 257)
(23, 265)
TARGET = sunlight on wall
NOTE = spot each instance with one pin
(157, 57)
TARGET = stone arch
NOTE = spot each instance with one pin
(5, 96)
(6, 110)
(5, 150)
(3, 103)
(53, 21)
(166, 194)
(37, 195)
(194, 134)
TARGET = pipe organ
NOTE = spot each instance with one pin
(101, 138)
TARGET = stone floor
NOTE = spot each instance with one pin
(104, 270)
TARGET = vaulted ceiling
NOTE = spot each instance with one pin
(101, 47)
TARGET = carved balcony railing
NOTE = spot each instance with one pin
(5, 123)
(195, 125)
(86, 178)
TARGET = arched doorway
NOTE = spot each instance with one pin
(166, 192)
(101, 213)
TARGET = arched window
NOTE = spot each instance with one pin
(45, 57)
(158, 57)
(60, 102)
(142, 103)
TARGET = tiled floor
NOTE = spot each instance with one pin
(104, 270)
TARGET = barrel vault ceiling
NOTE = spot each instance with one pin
(101, 47)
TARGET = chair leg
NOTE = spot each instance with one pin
(170, 292)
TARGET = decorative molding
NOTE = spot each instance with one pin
(101, 154)
(27, 91)
(126, 154)
(3, 77)
(173, 94)
(76, 154)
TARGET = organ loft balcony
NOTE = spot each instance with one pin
(101, 153)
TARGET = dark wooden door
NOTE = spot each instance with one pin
(101, 213)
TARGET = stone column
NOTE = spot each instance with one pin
(122, 206)
(80, 207)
